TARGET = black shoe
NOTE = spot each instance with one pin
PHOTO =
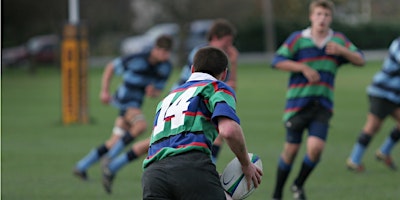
(108, 178)
(298, 193)
(80, 174)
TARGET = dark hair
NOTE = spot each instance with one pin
(210, 60)
(322, 3)
(164, 42)
(221, 28)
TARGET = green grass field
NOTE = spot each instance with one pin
(38, 152)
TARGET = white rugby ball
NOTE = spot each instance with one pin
(233, 180)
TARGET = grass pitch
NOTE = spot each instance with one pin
(38, 152)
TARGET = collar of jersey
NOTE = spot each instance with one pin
(307, 34)
(198, 76)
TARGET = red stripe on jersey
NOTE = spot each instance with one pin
(293, 42)
(198, 144)
(319, 58)
(308, 83)
(198, 113)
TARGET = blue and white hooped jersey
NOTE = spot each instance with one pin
(386, 83)
(137, 73)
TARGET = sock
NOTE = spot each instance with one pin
(282, 175)
(116, 149)
(91, 158)
(121, 160)
(359, 148)
(120, 145)
(306, 169)
(214, 152)
(390, 142)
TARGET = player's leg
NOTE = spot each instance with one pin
(318, 132)
(315, 146)
(379, 109)
(294, 131)
(216, 148)
(109, 171)
(284, 168)
(95, 154)
(287, 157)
(137, 125)
(372, 126)
(383, 153)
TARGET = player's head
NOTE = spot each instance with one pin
(222, 32)
(212, 61)
(162, 48)
(321, 14)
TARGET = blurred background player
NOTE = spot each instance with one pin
(143, 74)
(384, 100)
(220, 35)
(312, 56)
(179, 164)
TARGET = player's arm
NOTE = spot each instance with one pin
(152, 92)
(354, 57)
(108, 72)
(231, 131)
(292, 66)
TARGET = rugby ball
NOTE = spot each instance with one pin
(233, 180)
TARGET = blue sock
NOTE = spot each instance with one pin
(88, 160)
(387, 146)
(309, 162)
(283, 166)
(118, 162)
(116, 149)
(357, 153)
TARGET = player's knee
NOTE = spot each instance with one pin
(364, 139)
(128, 138)
(141, 126)
(395, 134)
(118, 131)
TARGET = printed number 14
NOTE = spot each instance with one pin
(175, 111)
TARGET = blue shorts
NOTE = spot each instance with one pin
(313, 117)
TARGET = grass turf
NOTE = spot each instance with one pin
(38, 152)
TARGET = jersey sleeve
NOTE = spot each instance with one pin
(287, 49)
(223, 103)
(118, 66)
(341, 39)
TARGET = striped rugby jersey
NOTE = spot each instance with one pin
(137, 73)
(186, 120)
(299, 47)
(386, 83)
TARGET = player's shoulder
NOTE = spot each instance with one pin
(340, 35)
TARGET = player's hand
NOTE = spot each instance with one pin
(105, 97)
(152, 92)
(252, 174)
(333, 48)
(311, 74)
